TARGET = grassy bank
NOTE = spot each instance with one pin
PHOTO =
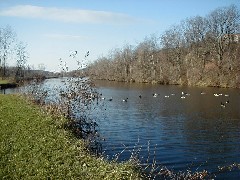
(35, 146)
(3, 81)
(6, 81)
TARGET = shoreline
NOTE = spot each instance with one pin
(202, 85)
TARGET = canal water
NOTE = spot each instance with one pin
(177, 127)
(8, 91)
(182, 128)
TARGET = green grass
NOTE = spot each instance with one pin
(35, 146)
(4, 81)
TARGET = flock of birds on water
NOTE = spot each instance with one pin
(182, 96)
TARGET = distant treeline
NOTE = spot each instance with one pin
(202, 51)
(28, 74)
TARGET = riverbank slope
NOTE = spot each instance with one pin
(35, 145)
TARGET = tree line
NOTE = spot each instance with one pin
(202, 51)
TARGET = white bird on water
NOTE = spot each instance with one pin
(125, 100)
(184, 93)
(223, 105)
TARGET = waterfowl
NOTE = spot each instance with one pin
(166, 96)
(140, 96)
(155, 95)
(227, 101)
(183, 97)
(223, 105)
(110, 99)
(184, 93)
(172, 94)
(226, 95)
(202, 93)
(125, 100)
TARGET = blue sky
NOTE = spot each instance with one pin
(52, 29)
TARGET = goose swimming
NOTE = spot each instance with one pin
(184, 93)
(223, 105)
(125, 100)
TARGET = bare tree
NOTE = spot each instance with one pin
(222, 24)
(22, 57)
(174, 46)
(195, 33)
(128, 58)
(7, 38)
(145, 59)
(195, 30)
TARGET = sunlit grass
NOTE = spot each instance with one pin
(3, 81)
(6, 81)
(35, 146)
